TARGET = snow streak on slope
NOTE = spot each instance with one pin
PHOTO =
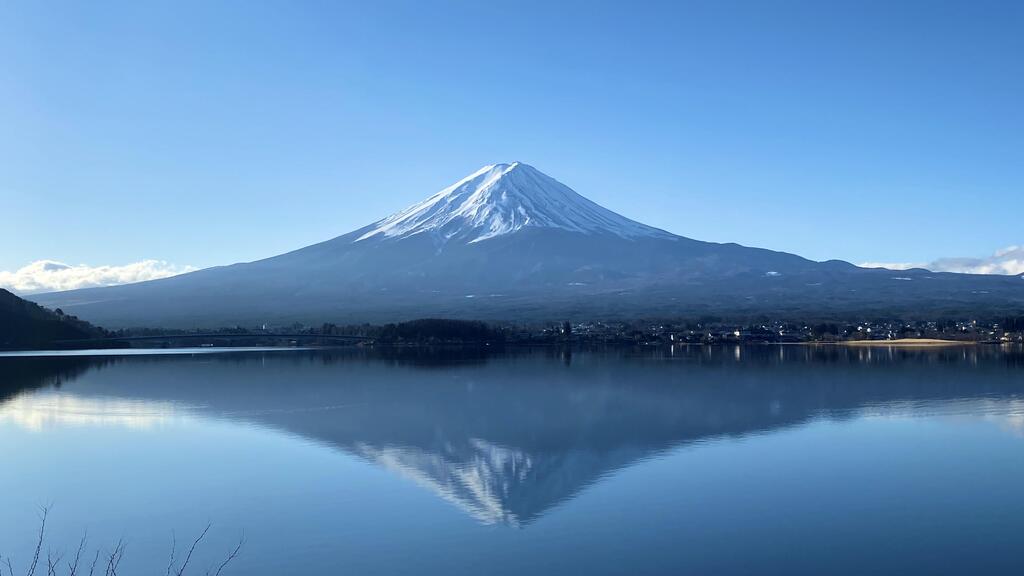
(501, 199)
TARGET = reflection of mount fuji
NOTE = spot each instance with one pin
(509, 437)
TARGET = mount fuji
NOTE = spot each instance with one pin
(510, 243)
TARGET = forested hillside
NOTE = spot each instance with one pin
(25, 325)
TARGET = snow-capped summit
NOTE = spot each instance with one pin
(503, 198)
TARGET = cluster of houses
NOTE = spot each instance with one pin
(722, 332)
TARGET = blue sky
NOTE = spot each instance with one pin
(204, 133)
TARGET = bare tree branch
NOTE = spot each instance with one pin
(231, 556)
(53, 562)
(112, 560)
(192, 549)
(39, 543)
(174, 547)
(95, 561)
(120, 557)
(73, 566)
(115, 559)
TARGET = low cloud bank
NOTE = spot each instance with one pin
(53, 276)
(1009, 261)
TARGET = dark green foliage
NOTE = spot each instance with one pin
(25, 325)
(1014, 324)
(439, 330)
(827, 329)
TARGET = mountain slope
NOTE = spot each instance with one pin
(510, 243)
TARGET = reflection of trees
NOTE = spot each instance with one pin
(18, 374)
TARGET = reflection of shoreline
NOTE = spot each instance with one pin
(908, 343)
(116, 352)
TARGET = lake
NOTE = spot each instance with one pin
(700, 460)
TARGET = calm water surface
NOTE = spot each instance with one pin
(778, 460)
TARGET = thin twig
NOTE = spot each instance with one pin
(112, 560)
(174, 547)
(234, 553)
(73, 566)
(39, 543)
(53, 562)
(95, 561)
(115, 559)
(120, 556)
(192, 549)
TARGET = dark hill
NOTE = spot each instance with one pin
(25, 325)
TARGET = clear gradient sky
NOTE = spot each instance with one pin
(206, 133)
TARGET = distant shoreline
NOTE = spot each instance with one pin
(159, 351)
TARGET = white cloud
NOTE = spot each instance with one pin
(52, 276)
(1009, 261)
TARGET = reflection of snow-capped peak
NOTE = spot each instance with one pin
(497, 484)
(501, 199)
(478, 484)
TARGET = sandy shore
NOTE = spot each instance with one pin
(908, 342)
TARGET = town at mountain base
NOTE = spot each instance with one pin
(509, 243)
